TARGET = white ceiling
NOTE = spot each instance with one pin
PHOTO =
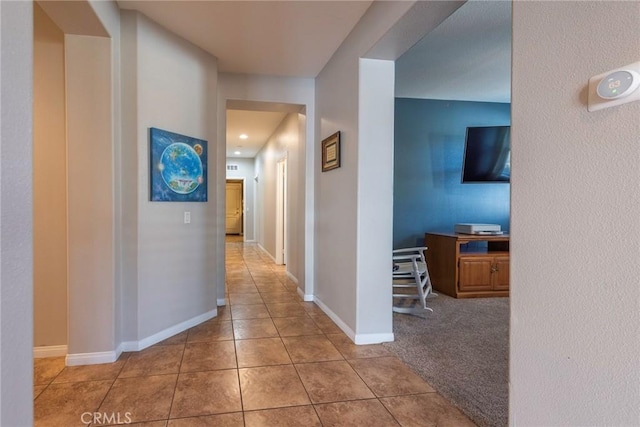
(467, 57)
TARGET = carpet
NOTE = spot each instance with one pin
(462, 350)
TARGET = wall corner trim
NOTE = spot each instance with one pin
(362, 339)
(91, 358)
(307, 298)
(49, 351)
(336, 319)
(222, 302)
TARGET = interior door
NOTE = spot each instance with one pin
(234, 207)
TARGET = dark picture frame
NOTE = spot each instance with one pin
(331, 152)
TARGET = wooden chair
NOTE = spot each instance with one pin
(410, 274)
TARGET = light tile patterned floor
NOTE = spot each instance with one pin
(268, 359)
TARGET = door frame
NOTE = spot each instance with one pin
(244, 198)
(281, 211)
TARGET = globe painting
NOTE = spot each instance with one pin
(178, 167)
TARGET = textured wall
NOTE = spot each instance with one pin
(575, 299)
(428, 152)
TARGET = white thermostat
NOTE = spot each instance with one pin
(614, 87)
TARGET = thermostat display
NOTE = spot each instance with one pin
(617, 84)
(615, 87)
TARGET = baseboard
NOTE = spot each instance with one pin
(249, 241)
(222, 302)
(49, 351)
(308, 298)
(91, 358)
(337, 320)
(267, 252)
(293, 278)
(362, 339)
(176, 329)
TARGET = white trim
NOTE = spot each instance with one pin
(293, 278)
(249, 241)
(266, 252)
(176, 329)
(362, 339)
(49, 351)
(222, 302)
(337, 320)
(91, 358)
(307, 298)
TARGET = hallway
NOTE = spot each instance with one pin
(268, 359)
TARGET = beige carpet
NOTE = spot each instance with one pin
(462, 350)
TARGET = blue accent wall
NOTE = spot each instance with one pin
(428, 153)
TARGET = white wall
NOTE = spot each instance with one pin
(246, 171)
(338, 205)
(16, 227)
(575, 246)
(279, 90)
(176, 86)
(49, 184)
(284, 143)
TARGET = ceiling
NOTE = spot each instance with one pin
(467, 57)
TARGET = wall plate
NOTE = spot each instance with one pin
(615, 87)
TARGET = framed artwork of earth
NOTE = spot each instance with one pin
(178, 169)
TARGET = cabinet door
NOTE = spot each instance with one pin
(501, 274)
(475, 273)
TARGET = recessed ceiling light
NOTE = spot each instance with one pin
(244, 136)
(237, 153)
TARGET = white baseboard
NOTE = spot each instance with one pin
(304, 297)
(222, 302)
(359, 339)
(91, 358)
(249, 241)
(267, 252)
(293, 278)
(112, 356)
(49, 351)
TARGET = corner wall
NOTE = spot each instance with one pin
(176, 89)
(575, 240)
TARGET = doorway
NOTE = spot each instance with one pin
(234, 217)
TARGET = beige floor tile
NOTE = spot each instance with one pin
(286, 309)
(325, 324)
(352, 351)
(388, 376)
(242, 288)
(63, 404)
(261, 352)
(283, 417)
(145, 398)
(271, 387)
(153, 361)
(275, 297)
(105, 371)
(206, 393)
(45, 370)
(249, 311)
(254, 328)
(332, 382)
(162, 423)
(208, 356)
(296, 326)
(244, 298)
(312, 307)
(223, 420)
(271, 287)
(212, 330)
(425, 410)
(311, 349)
(368, 413)
(37, 389)
(180, 338)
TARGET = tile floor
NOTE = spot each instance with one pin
(268, 359)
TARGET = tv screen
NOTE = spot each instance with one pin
(487, 154)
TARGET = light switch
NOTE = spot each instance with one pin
(187, 217)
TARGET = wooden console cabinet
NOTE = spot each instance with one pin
(468, 265)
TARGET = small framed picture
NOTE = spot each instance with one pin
(331, 152)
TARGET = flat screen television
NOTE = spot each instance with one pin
(487, 155)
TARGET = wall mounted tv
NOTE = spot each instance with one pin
(487, 155)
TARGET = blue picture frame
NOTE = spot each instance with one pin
(178, 167)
